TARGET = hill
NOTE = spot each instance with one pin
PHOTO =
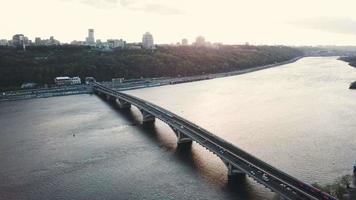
(43, 64)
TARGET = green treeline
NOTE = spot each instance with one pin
(43, 64)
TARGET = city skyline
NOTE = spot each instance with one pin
(228, 22)
(147, 41)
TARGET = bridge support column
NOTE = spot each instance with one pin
(182, 139)
(108, 97)
(122, 104)
(98, 92)
(147, 118)
(233, 173)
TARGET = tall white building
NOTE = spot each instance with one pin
(90, 40)
(200, 41)
(184, 42)
(147, 41)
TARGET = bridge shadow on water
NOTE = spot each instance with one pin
(237, 189)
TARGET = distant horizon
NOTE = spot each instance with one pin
(190, 40)
(275, 22)
(175, 43)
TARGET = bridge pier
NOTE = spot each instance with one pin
(122, 104)
(233, 173)
(182, 139)
(108, 97)
(98, 93)
(147, 118)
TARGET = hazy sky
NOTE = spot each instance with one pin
(298, 22)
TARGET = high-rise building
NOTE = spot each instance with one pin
(53, 41)
(147, 41)
(200, 41)
(90, 40)
(184, 42)
(38, 41)
(18, 40)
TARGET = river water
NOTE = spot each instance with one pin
(299, 117)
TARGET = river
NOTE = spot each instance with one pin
(299, 117)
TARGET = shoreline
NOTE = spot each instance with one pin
(187, 79)
(140, 84)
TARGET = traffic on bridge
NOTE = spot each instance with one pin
(236, 160)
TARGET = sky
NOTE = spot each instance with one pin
(286, 22)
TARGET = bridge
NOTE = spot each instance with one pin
(238, 162)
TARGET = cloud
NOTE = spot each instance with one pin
(101, 3)
(331, 25)
(149, 6)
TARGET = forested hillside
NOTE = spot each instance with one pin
(43, 64)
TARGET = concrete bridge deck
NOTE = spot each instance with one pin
(237, 161)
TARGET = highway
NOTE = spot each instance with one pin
(279, 182)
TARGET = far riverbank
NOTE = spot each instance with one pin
(155, 82)
(126, 85)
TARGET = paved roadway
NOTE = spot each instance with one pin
(281, 183)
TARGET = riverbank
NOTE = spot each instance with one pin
(155, 82)
(44, 92)
(126, 85)
(352, 62)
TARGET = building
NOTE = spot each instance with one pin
(89, 80)
(18, 40)
(4, 42)
(184, 42)
(200, 41)
(28, 85)
(147, 41)
(90, 40)
(98, 43)
(115, 43)
(38, 41)
(117, 81)
(75, 42)
(53, 41)
(67, 80)
(46, 42)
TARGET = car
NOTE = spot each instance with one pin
(253, 173)
(265, 177)
(221, 151)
